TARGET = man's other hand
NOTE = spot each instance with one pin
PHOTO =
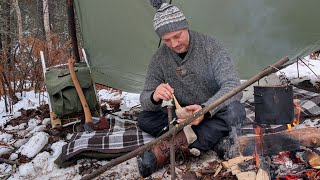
(194, 108)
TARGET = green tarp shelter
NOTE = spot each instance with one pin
(119, 38)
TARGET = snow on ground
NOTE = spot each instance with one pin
(307, 69)
(32, 138)
(28, 100)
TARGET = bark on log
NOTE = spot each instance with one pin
(140, 150)
(281, 141)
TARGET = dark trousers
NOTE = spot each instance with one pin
(208, 132)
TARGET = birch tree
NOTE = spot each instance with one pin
(46, 22)
(15, 4)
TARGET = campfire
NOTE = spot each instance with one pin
(280, 150)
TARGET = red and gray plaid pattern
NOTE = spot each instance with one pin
(123, 136)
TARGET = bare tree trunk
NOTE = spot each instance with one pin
(7, 52)
(4, 95)
(72, 30)
(1, 60)
(7, 46)
(1, 46)
(46, 23)
(19, 19)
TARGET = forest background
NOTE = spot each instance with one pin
(26, 28)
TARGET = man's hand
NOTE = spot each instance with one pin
(164, 91)
(194, 108)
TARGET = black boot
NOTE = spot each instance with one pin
(147, 163)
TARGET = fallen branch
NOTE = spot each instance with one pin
(7, 161)
(140, 150)
(218, 171)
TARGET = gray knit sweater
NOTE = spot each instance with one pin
(207, 73)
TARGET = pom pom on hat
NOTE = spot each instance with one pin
(157, 3)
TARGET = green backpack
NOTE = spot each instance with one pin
(62, 92)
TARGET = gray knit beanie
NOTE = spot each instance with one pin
(168, 18)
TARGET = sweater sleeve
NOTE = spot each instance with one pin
(154, 78)
(225, 75)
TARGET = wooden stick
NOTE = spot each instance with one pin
(172, 151)
(140, 150)
(7, 161)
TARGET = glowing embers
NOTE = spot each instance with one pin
(293, 165)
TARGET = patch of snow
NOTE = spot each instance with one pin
(43, 167)
(36, 129)
(303, 71)
(13, 156)
(18, 127)
(26, 170)
(34, 145)
(32, 123)
(57, 148)
(128, 99)
(69, 136)
(28, 100)
(5, 169)
(20, 142)
(109, 94)
(46, 121)
(5, 149)
(40, 162)
(131, 99)
(5, 137)
(16, 114)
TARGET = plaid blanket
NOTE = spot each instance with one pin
(124, 136)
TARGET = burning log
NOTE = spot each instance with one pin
(312, 158)
(281, 141)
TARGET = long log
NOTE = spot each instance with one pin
(140, 150)
(281, 141)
